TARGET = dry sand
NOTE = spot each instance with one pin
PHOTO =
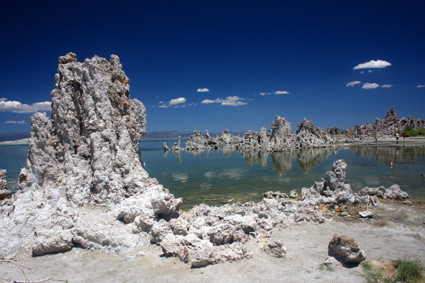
(397, 231)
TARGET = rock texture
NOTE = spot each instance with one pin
(4, 191)
(281, 138)
(86, 156)
(385, 127)
(346, 250)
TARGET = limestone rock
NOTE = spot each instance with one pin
(395, 193)
(384, 127)
(90, 146)
(275, 248)
(366, 214)
(346, 250)
(86, 155)
(3, 179)
(379, 192)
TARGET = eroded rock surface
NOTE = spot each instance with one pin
(86, 155)
(281, 138)
(346, 250)
(4, 191)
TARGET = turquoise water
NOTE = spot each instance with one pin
(214, 177)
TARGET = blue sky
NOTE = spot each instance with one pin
(213, 65)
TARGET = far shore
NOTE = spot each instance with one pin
(411, 141)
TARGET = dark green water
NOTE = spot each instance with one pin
(214, 177)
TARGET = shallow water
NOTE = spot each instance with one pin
(215, 177)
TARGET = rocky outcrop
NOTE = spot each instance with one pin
(335, 131)
(82, 164)
(333, 191)
(346, 249)
(176, 146)
(281, 138)
(4, 191)
(385, 127)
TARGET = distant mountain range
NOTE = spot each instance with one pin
(14, 136)
(149, 136)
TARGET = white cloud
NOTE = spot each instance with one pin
(276, 92)
(203, 90)
(281, 92)
(177, 101)
(229, 101)
(370, 86)
(373, 64)
(174, 102)
(207, 101)
(421, 85)
(15, 122)
(233, 101)
(18, 107)
(387, 86)
(353, 83)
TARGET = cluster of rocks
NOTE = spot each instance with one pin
(85, 186)
(381, 127)
(333, 193)
(281, 138)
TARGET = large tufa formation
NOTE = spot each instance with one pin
(385, 127)
(84, 178)
(281, 138)
(90, 146)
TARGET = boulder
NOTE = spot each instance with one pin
(346, 249)
(275, 248)
(395, 193)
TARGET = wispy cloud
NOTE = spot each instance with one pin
(177, 101)
(387, 86)
(373, 64)
(281, 92)
(278, 92)
(229, 101)
(203, 89)
(15, 122)
(18, 107)
(421, 85)
(353, 83)
(173, 102)
(370, 85)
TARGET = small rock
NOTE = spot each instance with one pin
(346, 249)
(293, 194)
(129, 258)
(408, 202)
(140, 254)
(275, 248)
(366, 214)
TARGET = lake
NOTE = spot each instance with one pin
(215, 177)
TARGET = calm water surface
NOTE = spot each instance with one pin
(214, 177)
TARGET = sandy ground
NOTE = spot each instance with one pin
(397, 231)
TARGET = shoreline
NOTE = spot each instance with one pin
(396, 231)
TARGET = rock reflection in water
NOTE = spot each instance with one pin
(390, 154)
(281, 161)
